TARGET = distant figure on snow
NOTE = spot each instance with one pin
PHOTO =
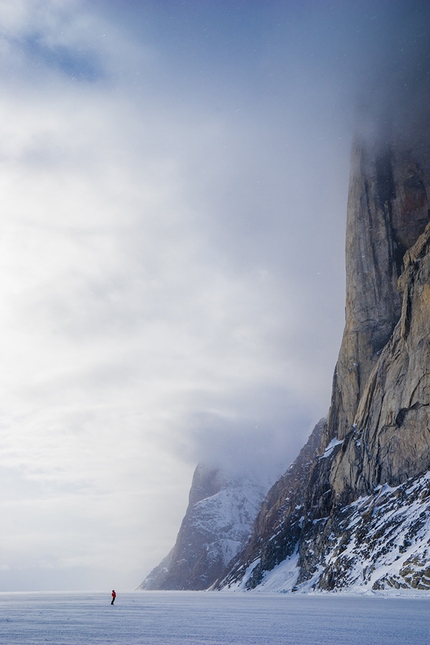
(113, 596)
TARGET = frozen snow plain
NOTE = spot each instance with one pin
(199, 618)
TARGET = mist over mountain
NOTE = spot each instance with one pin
(353, 510)
(361, 518)
(217, 524)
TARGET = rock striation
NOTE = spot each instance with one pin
(387, 210)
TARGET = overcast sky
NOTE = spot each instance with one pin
(173, 186)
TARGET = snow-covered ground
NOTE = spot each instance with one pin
(202, 618)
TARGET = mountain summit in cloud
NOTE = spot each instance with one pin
(216, 526)
(353, 510)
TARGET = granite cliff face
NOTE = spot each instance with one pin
(216, 525)
(387, 211)
(390, 438)
(361, 515)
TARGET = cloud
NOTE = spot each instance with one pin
(173, 195)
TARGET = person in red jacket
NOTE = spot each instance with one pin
(113, 596)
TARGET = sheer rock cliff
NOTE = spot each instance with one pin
(323, 534)
(387, 211)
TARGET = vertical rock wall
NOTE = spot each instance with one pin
(387, 210)
(390, 439)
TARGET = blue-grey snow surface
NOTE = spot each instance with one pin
(198, 618)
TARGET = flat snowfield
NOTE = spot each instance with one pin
(199, 618)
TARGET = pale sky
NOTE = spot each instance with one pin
(173, 187)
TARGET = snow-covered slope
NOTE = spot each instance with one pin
(380, 541)
(217, 524)
(226, 518)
